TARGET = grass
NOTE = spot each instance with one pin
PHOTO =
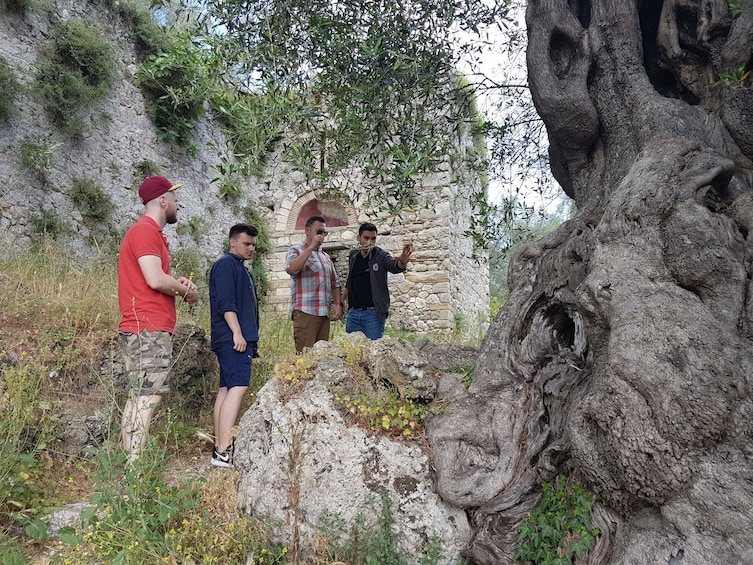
(57, 317)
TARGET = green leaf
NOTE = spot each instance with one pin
(69, 536)
(36, 529)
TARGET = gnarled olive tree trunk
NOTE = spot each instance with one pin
(625, 353)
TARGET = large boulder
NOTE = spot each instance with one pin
(299, 459)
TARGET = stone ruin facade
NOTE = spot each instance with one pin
(444, 291)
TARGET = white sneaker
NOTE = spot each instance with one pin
(223, 459)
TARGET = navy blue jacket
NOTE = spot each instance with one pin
(232, 289)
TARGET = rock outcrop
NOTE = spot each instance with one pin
(300, 459)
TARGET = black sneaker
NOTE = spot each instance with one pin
(224, 459)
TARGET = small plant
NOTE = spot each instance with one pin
(49, 224)
(230, 189)
(559, 529)
(25, 430)
(296, 455)
(352, 354)
(738, 9)
(293, 372)
(189, 260)
(733, 79)
(130, 517)
(461, 324)
(495, 305)
(366, 541)
(144, 169)
(41, 6)
(9, 87)
(194, 227)
(94, 203)
(386, 414)
(465, 370)
(78, 73)
(37, 153)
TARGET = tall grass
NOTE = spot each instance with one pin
(57, 315)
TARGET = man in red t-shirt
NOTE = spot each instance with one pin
(146, 296)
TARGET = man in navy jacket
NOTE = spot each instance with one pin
(235, 334)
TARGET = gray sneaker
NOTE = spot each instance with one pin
(224, 459)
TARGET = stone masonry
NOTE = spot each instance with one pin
(444, 290)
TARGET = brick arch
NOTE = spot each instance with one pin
(310, 204)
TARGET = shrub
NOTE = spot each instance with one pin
(20, 6)
(37, 153)
(24, 431)
(94, 203)
(79, 71)
(263, 248)
(178, 82)
(230, 189)
(144, 169)
(152, 37)
(9, 87)
(253, 125)
(195, 227)
(560, 526)
(190, 263)
(49, 224)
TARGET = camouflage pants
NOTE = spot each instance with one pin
(147, 359)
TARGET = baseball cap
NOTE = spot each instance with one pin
(154, 187)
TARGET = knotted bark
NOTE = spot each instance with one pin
(623, 356)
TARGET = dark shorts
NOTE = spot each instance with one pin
(147, 358)
(235, 367)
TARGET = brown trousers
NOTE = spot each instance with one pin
(308, 329)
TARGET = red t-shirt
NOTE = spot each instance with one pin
(141, 306)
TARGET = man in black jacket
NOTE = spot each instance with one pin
(366, 288)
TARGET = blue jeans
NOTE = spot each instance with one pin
(366, 321)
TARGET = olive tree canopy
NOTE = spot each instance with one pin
(357, 85)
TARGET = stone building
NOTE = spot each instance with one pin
(444, 291)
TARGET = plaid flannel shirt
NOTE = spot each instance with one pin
(311, 288)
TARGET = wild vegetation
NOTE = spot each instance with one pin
(77, 71)
(57, 318)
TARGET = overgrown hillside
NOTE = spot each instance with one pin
(57, 324)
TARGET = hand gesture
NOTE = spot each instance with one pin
(404, 257)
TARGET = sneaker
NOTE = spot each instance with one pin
(224, 459)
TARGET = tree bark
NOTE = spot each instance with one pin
(624, 354)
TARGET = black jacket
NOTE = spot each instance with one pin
(380, 263)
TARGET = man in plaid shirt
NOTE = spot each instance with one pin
(314, 287)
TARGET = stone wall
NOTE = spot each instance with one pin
(443, 291)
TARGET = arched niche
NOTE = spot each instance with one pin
(335, 213)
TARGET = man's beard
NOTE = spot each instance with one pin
(172, 218)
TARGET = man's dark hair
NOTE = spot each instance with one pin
(313, 219)
(238, 229)
(367, 226)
